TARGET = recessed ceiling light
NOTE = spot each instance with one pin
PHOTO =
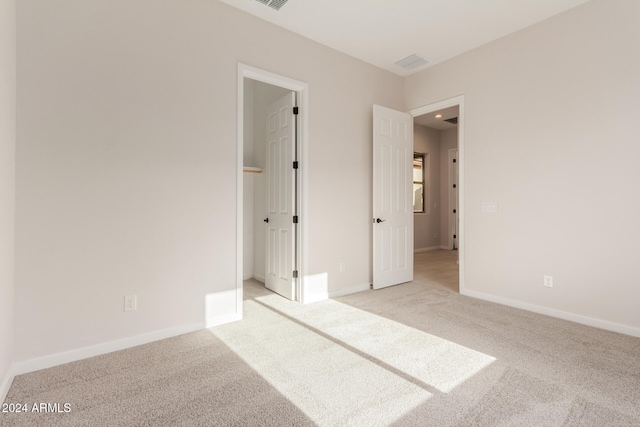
(438, 116)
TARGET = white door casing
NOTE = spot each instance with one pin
(392, 197)
(280, 227)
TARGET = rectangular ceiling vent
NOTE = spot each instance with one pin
(273, 4)
(411, 62)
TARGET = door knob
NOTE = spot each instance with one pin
(378, 220)
(266, 220)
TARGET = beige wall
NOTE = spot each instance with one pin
(426, 226)
(126, 158)
(7, 185)
(448, 140)
(126, 164)
(551, 135)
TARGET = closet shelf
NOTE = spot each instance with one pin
(251, 169)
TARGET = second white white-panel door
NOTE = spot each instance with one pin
(392, 197)
(280, 230)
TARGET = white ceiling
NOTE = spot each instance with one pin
(430, 120)
(382, 32)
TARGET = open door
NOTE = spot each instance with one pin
(392, 197)
(281, 229)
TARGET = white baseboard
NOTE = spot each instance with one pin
(247, 276)
(6, 383)
(432, 248)
(221, 320)
(308, 299)
(44, 362)
(584, 320)
(259, 278)
(447, 248)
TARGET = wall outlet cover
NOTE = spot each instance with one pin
(130, 303)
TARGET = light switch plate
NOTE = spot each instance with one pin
(490, 207)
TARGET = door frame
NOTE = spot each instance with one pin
(430, 108)
(302, 93)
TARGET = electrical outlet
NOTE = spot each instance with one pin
(343, 267)
(130, 303)
(548, 281)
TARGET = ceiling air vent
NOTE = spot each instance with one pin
(453, 121)
(273, 4)
(411, 62)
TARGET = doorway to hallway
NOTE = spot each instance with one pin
(438, 227)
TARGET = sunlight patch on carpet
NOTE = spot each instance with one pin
(429, 359)
(330, 383)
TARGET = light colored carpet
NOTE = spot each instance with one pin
(437, 267)
(414, 354)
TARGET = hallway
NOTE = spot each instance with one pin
(437, 267)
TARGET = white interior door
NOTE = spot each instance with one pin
(392, 197)
(280, 235)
